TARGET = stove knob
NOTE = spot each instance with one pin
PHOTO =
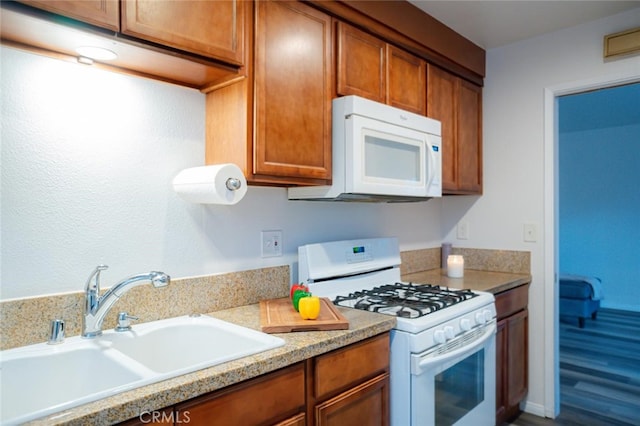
(449, 332)
(488, 316)
(439, 336)
(479, 318)
(465, 324)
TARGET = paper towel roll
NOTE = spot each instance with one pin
(215, 184)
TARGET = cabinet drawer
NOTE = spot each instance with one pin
(297, 420)
(267, 399)
(512, 301)
(344, 368)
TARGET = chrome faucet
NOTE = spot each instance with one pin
(96, 307)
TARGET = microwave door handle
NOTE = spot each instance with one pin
(422, 364)
(432, 164)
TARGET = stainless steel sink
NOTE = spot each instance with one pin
(38, 380)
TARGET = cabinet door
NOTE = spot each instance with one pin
(406, 76)
(265, 400)
(102, 13)
(458, 105)
(365, 405)
(361, 64)
(293, 91)
(469, 141)
(441, 105)
(518, 356)
(213, 29)
(512, 352)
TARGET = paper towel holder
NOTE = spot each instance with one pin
(211, 184)
(233, 184)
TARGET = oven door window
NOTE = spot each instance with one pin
(459, 389)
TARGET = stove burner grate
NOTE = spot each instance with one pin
(406, 300)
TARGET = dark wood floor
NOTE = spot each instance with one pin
(599, 372)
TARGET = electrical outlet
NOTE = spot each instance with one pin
(271, 243)
(463, 231)
(530, 232)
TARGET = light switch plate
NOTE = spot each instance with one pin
(462, 231)
(271, 243)
(530, 232)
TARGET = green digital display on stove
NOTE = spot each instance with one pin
(358, 249)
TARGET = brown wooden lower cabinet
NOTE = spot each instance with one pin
(350, 386)
(343, 387)
(366, 404)
(297, 420)
(512, 348)
(267, 399)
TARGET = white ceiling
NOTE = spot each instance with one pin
(492, 24)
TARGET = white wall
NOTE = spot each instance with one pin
(87, 162)
(514, 156)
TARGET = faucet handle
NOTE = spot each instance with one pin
(124, 321)
(96, 274)
(56, 334)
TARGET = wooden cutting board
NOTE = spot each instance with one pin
(278, 316)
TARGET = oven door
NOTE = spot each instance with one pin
(455, 383)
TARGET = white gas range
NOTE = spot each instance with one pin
(443, 345)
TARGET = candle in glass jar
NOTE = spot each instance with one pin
(455, 266)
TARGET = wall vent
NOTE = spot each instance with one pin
(622, 43)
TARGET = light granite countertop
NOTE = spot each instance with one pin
(492, 282)
(298, 346)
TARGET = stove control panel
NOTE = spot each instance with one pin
(359, 253)
(451, 329)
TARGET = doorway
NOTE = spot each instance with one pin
(551, 226)
(599, 154)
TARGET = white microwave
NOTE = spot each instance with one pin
(380, 154)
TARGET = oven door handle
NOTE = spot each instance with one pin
(421, 363)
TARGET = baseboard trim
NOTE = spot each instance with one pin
(535, 409)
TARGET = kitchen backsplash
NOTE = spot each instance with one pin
(26, 321)
(509, 261)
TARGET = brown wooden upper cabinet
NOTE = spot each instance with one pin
(213, 29)
(209, 28)
(102, 13)
(457, 103)
(369, 67)
(198, 44)
(276, 124)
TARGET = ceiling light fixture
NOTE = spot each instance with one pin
(84, 60)
(96, 53)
